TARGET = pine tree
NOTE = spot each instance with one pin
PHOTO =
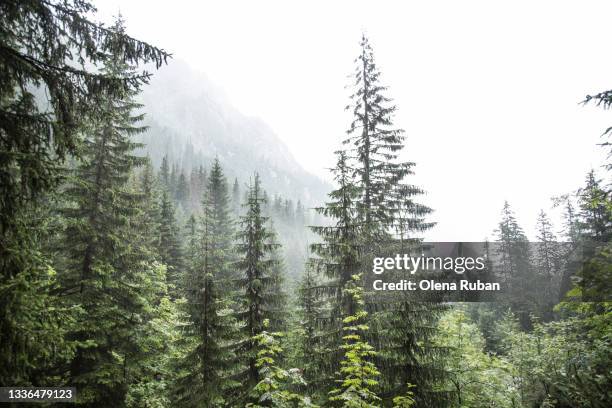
(263, 298)
(277, 206)
(195, 190)
(192, 248)
(202, 177)
(594, 220)
(288, 210)
(265, 204)
(217, 212)
(109, 275)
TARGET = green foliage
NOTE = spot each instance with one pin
(209, 365)
(405, 401)
(563, 363)
(359, 375)
(49, 90)
(33, 320)
(514, 267)
(272, 390)
(169, 248)
(475, 378)
(308, 343)
(388, 217)
(99, 289)
(162, 346)
(337, 258)
(263, 298)
(106, 269)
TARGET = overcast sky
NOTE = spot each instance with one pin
(487, 91)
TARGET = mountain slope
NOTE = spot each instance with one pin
(191, 120)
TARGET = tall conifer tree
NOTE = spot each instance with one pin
(49, 88)
(514, 266)
(338, 259)
(211, 364)
(262, 298)
(109, 274)
(169, 249)
(389, 218)
(373, 145)
(236, 200)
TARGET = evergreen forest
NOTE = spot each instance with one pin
(154, 282)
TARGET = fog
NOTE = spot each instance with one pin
(488, 92)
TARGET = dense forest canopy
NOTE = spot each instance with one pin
(182, 281)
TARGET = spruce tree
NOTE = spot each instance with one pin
(109, 274)
(373, 147)
(173, 180)
(604, 100)
(310, 307)
(50, 88)
(164, 173)
(217, 212)
(211, 364)
(260, 282)
(195, 190)
(338, 259)
(150, 203)
(182, 189)
(192, 248)
(390, 220)
(594, 220)
(514, 268)
(548, 255)
(169, 248)
(51, 47)
(202, 177)
(595, 212)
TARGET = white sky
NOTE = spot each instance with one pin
(488, 91)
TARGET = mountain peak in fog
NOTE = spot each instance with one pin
(192, 120)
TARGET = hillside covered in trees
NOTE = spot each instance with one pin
(148, 268)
